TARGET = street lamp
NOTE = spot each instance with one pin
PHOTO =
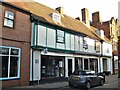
(119, 53)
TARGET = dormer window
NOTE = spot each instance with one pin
(56, 17)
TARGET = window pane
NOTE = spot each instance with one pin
(8, 23)
(4, 51)
(4, 66)
(9, 15)
(60, 36)
(14, 51)
(13, 66)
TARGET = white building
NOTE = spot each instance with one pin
(61, 44)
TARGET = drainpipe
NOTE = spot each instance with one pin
(32, 66)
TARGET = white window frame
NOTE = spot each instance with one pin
(60, 36)
(9, 19)
(18, 73)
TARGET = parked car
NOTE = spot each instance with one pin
(85, 79)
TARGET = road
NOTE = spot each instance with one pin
(109, 86)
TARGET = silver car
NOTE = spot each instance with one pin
(85, 79)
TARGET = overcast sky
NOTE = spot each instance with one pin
(107, 8)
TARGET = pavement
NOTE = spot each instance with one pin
(109, 79)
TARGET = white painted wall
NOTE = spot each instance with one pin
(60, 46)
(107, 49)
(66, 67)
(109, 63)
(36, 66)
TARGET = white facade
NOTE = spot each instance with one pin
(65, 52)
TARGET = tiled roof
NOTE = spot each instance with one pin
(66, 21)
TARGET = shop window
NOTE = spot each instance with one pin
(78, 63)
(93, 64)
(10, 58)
(9, 19)
(60, 36)
(52, 66)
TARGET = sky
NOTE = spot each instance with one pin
(107, 8)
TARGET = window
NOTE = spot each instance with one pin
(52, 66)
(85, 45)
(97, 46)
(56, 17)
(10, 62)
(60, 36)
(9, 19)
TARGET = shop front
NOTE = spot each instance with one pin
(85, 63)
(50, 66)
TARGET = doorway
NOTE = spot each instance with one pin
(69, 67)
(104, 64)
(86, 65)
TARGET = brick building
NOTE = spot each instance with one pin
(15, 48)
(110, 28)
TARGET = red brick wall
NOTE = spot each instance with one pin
(20, 37)
(21, 30)
(106, 28)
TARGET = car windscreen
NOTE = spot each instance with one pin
(80, 73)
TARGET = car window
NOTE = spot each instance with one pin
(76, 73)
(80, 73)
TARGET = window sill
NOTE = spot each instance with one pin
(8, 27)
(12, 78)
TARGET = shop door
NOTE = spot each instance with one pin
(69, 67)
(86, 65)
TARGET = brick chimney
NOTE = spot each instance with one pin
(85, 16)
(60, 10)
(96, 17)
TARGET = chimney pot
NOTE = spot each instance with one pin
(78, 18)
(60, 10)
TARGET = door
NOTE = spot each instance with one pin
(69, 67)
(104, 64)
(86, 65)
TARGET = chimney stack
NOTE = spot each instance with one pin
(60, 10)
(85, 16)
(96, 17)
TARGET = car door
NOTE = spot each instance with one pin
(94, 79)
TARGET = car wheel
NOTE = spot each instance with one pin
(88, 85)
(102, 82)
